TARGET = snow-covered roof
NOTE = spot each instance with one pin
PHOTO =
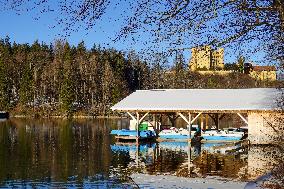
(210, 100)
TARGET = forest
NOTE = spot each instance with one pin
(60, 79)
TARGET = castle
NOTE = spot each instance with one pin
(204, 58)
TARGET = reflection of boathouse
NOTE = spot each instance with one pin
(257, 107)
(173, 157)
(263, 159)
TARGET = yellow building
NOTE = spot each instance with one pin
(263, 73)
(205, 58)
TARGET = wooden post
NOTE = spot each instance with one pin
(161, 121)
(155, 124)
(217, 121)
(201, 122)
(137, 127)
(189, 144)
(206, 122)
(189, 126)
(244, 119)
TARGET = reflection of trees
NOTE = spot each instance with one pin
(166, 162)
(53, 149)
(151, 161)
(227, 166)
(176, 162)
(56, 150)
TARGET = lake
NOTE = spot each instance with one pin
(55, 153)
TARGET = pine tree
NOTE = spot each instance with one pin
(81, 74)
(4, 86)
(240, 63)
(38, 58)
(67, 91)
(26, 87)
(18, 65)
(59, 77)
(179, 71)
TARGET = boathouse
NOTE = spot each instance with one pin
(259, 108)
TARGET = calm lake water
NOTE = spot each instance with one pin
(82, 153)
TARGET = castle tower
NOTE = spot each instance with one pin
(218, 59)
(205, 58)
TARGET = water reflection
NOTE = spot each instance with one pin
(178, 158)
(81, 153)
(55, 151)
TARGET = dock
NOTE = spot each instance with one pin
(256, 107)
(133, 138)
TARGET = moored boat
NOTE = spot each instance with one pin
(126, 132)
(174, 133)
(220, 135)
(145, 133)
(178, 133)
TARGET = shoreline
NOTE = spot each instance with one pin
(171, 181)
(73, 117)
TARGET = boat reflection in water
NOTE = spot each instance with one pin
(260, 166)
(81, 153)
(182, 159)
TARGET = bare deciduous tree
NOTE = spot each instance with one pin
(181, 24)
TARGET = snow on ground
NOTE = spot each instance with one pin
(172, 182)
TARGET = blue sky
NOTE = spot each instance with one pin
(28, 27)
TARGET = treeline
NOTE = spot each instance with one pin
(60, 79)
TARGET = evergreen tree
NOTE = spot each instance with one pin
(240, 63)
(67, 91)
(18, 65)
(5, 84)
(5, 93)
(81, 74)
(38, 58)
(58, 77)
(26, 87)
(179, 71)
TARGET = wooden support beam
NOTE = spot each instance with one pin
(189, 126)
(137, 127)
(154, 120)
(140, 120)
(172, 118)
(222, 116)
(244, 119)
(206, 122)
(218, 121)
(184, 118)
(201, 122)
(131, 116)
(161, 121)
(189, 143)
(189, 122)
(196, 117)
